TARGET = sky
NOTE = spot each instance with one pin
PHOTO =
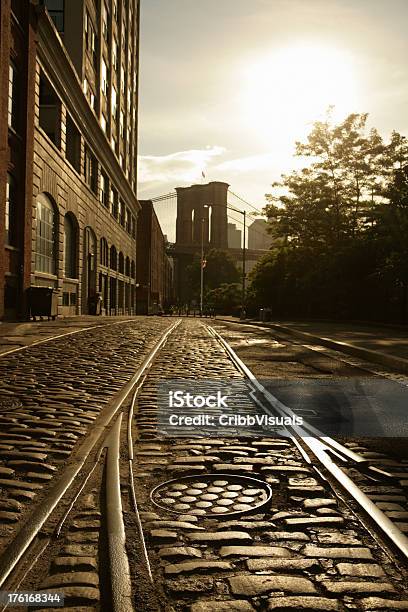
(228, 86)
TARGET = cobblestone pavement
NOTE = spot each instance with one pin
(17, 335)
(50, 395)
(306, 551)
(216, 540)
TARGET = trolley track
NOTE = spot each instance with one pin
(166, 547)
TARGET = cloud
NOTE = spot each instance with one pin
(179, 167)
(252, 162)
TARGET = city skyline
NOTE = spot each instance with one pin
(228, 88)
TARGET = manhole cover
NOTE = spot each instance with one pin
(213, 495)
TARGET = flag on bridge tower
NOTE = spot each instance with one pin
(202, 173)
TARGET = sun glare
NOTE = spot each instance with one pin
(288, 89)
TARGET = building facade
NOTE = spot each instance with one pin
(154, 270)
(234, 236)
(258, 236)
(68, 141)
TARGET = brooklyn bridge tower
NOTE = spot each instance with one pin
(201, 219)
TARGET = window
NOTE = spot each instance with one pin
(16, 7)
(12, 97)
(133, 269)
(73, 144)
(103, 191)
(128, 221)
(70, 247)
(10, 212)
(46, 224)
(115, 54)
(92, 98)
(104, 253)
(113, 258)
(90, 169)
(50, 111)
(124, 35)
(90, 38)
(133, 227)
(104, 78)
(55, 10)
(114, 105)
(121, 213)
(121, 123)
(122, 79)
(121, 263)
(105, 22)
(127, 266)
(114, 199)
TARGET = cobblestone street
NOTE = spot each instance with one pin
(242, 521)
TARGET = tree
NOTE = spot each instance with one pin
(342, 221)
(219, 269)
(327, 201)
(225, 299)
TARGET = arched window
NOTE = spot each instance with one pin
(121, 263)
(133, 269)
(46, 231)
(127, 266)
(104, 253)
(70, 246)
(113, 258)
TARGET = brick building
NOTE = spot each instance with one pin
(68, 147)
(154, 272)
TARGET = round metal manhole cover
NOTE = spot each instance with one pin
(212, 496)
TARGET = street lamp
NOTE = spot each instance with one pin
(202, 267)
(243, 297)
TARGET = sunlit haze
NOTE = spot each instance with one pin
(228, 86)
(286, 90)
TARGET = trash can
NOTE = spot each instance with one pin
(43, 302)
(95, 304)
(267, 314)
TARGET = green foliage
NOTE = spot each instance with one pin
(342, 221)
(225, 299)
(220, 269)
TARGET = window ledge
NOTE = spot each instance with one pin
(45, 275)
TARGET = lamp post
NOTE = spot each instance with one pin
(243, 309)
(243, 294)
(202, 268)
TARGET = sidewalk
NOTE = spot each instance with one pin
(387, 346)
(388, 340)
(20, 334)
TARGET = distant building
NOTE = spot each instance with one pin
(258, 236)
(68, 147)
(154, 270)
(234, 236)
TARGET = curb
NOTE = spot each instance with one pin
(396, 363)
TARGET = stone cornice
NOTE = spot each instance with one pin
(57, 63)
